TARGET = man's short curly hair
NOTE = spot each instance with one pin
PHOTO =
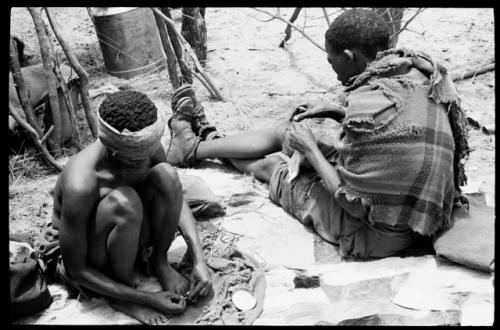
(128, 109)
(361, 29)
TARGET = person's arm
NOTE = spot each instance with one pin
(78, 199)
(301, 139)
(324, 110)
(201, 282)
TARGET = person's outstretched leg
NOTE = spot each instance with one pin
(251, 144)
(161, 192)
(186, 148)
(260, 168)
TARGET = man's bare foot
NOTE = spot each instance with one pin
(144, 314)
(170, 279)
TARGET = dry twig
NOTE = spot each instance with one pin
(419, 10)
(326, 17)
(288, 30)
(473, 72)
(278, 16)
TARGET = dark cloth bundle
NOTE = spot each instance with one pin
(28, 287)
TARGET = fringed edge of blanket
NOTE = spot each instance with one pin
(427, 228)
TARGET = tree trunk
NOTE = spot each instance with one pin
(195, 32)
(172, 63)
(393, 17)
(187, 76)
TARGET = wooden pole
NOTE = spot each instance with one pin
(43, 40)
(213, 91)
(22, 93)
(172, 63)
(176, 45)
(84, 77)
(35, 133)
(194, 31)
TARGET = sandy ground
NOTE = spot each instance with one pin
(262, 82)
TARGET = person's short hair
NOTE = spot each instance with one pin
(128, 109)
(361, 29)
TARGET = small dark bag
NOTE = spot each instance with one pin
(29, 293)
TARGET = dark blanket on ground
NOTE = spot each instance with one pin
(471, 239)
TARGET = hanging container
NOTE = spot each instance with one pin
(129, 40)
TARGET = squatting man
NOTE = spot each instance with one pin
(117, 197)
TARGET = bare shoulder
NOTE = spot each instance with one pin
(79, 175)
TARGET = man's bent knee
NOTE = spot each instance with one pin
(165, 179)
(125, 204)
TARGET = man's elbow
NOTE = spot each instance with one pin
(78, 274)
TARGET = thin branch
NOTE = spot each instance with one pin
(46, 136)
(36, 139)
(408, 22)
(473, 72)
(326, 16)
(293, 26)
(288, 30)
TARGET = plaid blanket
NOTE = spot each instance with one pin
(401, 166)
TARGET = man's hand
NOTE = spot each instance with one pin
(168, 302)
(301, 138)
(319, 110)
(201, 281)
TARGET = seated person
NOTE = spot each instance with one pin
(117, 197)
(385, 176)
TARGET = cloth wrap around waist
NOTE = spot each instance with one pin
(132, 146)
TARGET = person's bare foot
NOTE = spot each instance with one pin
(144, 314)
(170, 279)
